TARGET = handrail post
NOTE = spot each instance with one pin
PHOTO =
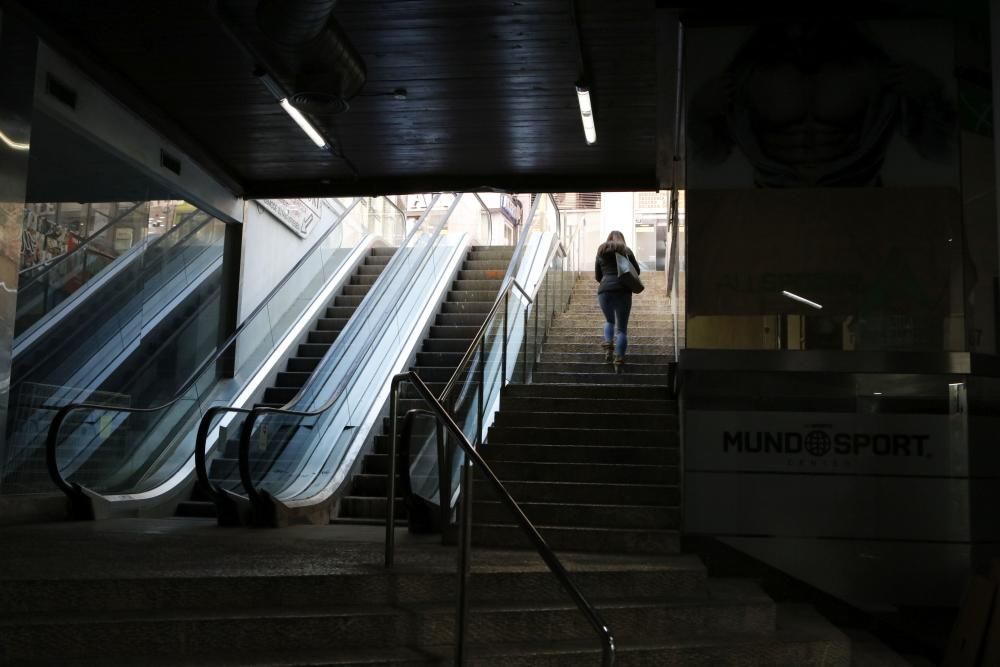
(464, 547)
(482, 389)
(390, 494)
(503, 358)
(524, 342)
(444, 478)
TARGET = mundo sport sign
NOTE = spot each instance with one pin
(821, 442)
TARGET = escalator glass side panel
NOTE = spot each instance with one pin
(137, 335)
(296, 458)
(141, 453)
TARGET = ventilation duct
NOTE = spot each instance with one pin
(304, 49)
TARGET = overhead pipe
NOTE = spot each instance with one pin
(304, 48)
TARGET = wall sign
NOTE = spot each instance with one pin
(814, 442)
(299, 215)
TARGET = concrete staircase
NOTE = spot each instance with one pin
(595, 466)
(464, 310)
(592, 458)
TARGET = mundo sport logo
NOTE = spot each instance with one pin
(820, 440)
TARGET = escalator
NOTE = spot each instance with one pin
(128, 459)
(130, 334)
(286, 464)
(299, 368)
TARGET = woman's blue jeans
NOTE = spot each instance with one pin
(616, 306)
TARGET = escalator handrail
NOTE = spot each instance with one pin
(246, 478)
(541, 546)
(65, 410)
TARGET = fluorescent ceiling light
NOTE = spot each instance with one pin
(586, 115)
(10, 143)
(801, 299)
(306, 126)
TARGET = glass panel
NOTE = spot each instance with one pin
(154, 446)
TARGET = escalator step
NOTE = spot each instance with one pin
(292, 379)
(377, 260)
(344, 312)
(322, 337)
(281, 395)
(383, 251)
(313, 349)
(366, 279)
(302, 364)
(357, 290)
(331, 323)
(348, 301)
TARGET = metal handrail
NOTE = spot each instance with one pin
(481, 333)
(57, 421)
(246, 479)
(544, 550)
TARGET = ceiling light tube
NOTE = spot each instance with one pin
(13, 145)
(306, 126)
(586, 114)
(281, 96)
(801, 299)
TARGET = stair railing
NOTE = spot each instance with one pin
(473, 458)
(487, 366)
(80, 506)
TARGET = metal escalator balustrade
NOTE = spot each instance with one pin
(144, 455)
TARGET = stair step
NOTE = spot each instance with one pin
(608, 377)
(580, 454)
(594, 540)
(600, 420)
(609, 473)
(578, 494)
(540, 389)
(803, 637)
(578, 515)
(612, 437)
(447, 359)
(593, 406)
(634, 347)
(596, 356)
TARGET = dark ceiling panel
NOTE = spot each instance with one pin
(489, 91)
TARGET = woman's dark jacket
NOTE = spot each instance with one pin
(606, 268)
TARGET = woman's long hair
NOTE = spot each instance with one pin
(615, 243)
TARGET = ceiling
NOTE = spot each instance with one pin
(490, 93)
(490, 100)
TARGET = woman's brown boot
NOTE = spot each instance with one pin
(609, 351)
(619, 364)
